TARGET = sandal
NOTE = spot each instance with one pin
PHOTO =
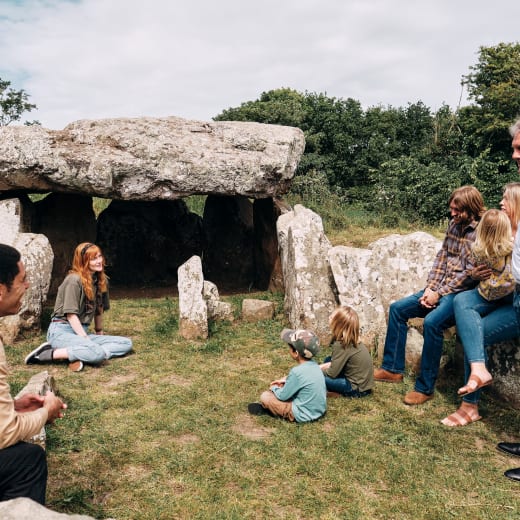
(460, 418)
(469, 389)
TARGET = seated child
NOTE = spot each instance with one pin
(301, 396)
(348, 372)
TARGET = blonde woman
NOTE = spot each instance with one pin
(349, 370)
(82, 299)
(481, 322)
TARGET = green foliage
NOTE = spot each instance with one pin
(13, 103)
(99, 204)
(419, 191)
(196, 204)
(405, 161)
(283, 106)
(494, 86)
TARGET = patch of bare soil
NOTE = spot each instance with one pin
(188, 438)
(248, 427)
(119, 379)
(178, 380)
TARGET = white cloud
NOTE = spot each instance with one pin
(123, 58)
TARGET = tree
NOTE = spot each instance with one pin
(13, 103)
(282, 106)
(494, 86)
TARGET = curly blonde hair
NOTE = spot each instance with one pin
(83, 254)
(344, 325)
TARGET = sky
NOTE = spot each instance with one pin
(92, 59)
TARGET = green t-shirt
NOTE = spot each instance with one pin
(353, 363)
(71, 299)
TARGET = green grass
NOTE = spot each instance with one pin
(164, 434)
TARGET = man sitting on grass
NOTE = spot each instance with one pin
(302, 395)
(23, 466)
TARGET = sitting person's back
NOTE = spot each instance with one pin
(348, 371)
(302, 395)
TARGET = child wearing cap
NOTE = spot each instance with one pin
(349, 370)
(302, 395)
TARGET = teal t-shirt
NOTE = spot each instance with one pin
(305, 386)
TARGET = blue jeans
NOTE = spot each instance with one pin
(342, 385)
(436, 321)
(480, 324)
(93, 349)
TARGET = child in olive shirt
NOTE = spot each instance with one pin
(301, 396)
(349, 371)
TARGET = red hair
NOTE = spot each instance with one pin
(83, 254)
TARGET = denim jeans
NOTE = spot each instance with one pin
(342, 385)
(436, 321)
(481, 324)
(93, 349)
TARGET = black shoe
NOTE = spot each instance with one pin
(511, 448)
(513, 474)
(42, 354)
(258, 409)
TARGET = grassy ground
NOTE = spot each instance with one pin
(164, 434)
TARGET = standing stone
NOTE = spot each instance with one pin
(309, 295)
(217, 309)
(371, 279)
(37, 257)
(193, 314)
(358, 287)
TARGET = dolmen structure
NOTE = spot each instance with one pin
(246, 237)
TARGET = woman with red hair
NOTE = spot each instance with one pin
(81, 299)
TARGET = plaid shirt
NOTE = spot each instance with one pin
(450, 270)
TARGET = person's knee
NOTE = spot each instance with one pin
(395, 309)
(265, 397)
(92, 355)
(460, 302)
(433, 325)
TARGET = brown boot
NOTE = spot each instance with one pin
(380, 374)
(413, 398)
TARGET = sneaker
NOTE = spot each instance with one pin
(42, 354)
(76, 366)
(257, 409)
